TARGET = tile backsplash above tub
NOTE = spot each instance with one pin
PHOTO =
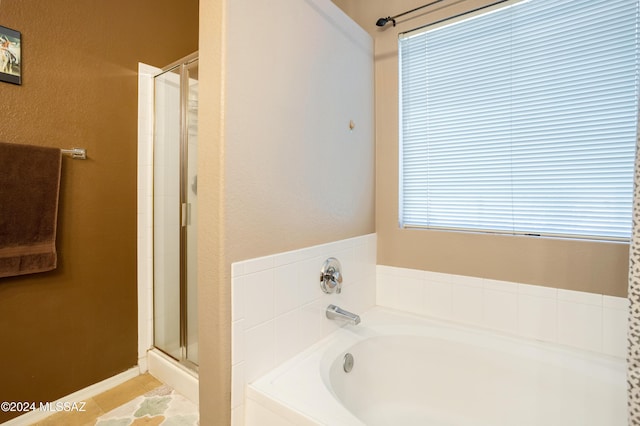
(587, 321)
(278, 306)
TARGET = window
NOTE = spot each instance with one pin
(522, 120)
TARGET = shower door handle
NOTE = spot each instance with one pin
(185, 214)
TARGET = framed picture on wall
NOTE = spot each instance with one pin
(10, 55)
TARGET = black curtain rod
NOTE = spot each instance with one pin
(456, 16)
(383, 21)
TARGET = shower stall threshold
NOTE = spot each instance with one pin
(169, 371)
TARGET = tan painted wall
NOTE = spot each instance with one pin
(67, 329)
(296, 175)
(279, 167)
(214, 282)
(597, 267)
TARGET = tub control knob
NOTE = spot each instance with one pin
(331, 276)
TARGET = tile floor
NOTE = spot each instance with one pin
(142, 400)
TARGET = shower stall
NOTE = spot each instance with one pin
(175, 221)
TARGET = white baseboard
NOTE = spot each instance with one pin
(143, 364)
(79, 396)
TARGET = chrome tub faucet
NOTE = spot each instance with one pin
(336, 312)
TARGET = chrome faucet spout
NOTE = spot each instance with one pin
(336, 312)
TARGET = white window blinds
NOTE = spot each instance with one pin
(522, 120)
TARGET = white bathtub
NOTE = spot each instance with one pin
(412, 371)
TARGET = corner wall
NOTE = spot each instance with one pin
(280, 166)
(67, 329)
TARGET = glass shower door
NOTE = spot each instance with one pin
(190, 81)
(174, 215)
(166, 213)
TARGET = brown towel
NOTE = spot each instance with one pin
(29, 186)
